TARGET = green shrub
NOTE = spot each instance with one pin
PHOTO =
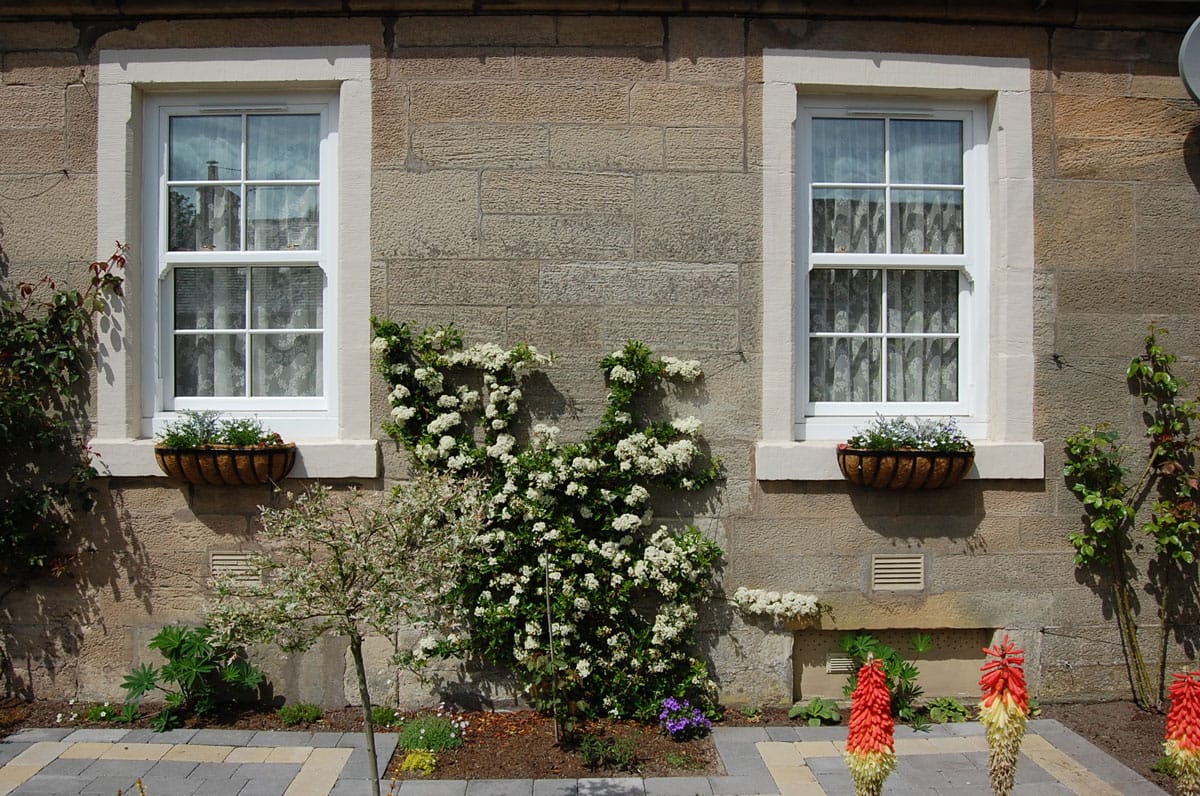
(299, 713)
(947, 710)
(386, 717)
(198, 429)
(817, 712)
(420, 762)
(600, 752)
(432, 733)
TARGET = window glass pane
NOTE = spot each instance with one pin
(927, 222)
(922, 369)
(844, 369)
(927, 152)
(287, 297)
(848, 220)
(845, 300)
(286, 365)
(283, 147)
(847, 150)
(210, 364)
(921, 301)
(281, 218)
(210, 298)
(207, 218)
(205, 148)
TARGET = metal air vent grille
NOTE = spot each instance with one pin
(838, 663)
(898, 572)
(235, 565)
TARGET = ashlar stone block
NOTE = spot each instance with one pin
(495, 145)
(686, 104)
(560, 192)
(597, 103)
(698, 217)
(432, 214)
(626, 148)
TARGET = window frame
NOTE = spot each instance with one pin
(159, 358)
(821, 420)
(1005, 447)
(342, 445)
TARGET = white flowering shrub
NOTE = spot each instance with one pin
(781, 607)
(570, 583)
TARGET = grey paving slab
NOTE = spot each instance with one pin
(10, 750)
(70, 768)
(49, 783)
(555, 787)
(612, 786)
(286, 771)
(118, 768)
(169, 786)
(500, 787)
(1042, 789)
(35, 735)
(220, 787)
(214, 771)
(222, 737)
(327, 739)
(108, 786)
(738, 786)
(820, 733)
(443, 787)
(150, 736)
(361, 787)
(280, 738)
(96, 736)
(966, 729)
(357, 764)
(176, 769)
(678, 786)
(743, 734)
(782, 734)
(265, 787)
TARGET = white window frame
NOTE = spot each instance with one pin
(334, 440)
(287, 415)
(821, 420)
(998, 413)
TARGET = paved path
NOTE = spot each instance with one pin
(772, 761)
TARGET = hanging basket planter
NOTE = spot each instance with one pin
(227, 465)
(903, 469)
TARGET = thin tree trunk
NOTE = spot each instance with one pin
(368, 727)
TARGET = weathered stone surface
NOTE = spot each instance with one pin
(520, 102)
(1083, 224)
(462, 282)
(560, 329)
(495, 145)
(698, 218)
(1167, 249)
(427, 31)
(557, 236)
(612, 148)
(705, 149)
(1114, 159)
(590, 63)
(38, 36)
(451, 63)
(678, 329)
(435, 214)
(754, 664)
(1156, 80)
(32, 151)
(707, 49)
(247, 32)
(1084, 77)
(685, 104)
(638, 283)
(389, 123)
(625, 31)
(69, 199)
(558, 192)
(31, 107)
(41, 67)
(1124, 118)
(81, 128)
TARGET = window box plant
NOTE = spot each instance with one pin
(204, 448)
(896, 453)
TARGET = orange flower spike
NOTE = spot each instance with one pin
(1003, 711)
(871, 746)
(1182, 745)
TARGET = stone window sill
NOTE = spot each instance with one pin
(814, 460)
(134, 458)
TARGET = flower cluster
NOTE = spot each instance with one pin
(570, 565)
(681, 721)
(784, 607)
(1003, 711)
(900, 433)
(871, 745)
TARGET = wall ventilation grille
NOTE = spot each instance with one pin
(837, 663)
(236, 565)
(898, 572)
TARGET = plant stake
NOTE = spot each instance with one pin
(1003, 711)
(1182, 746)
(871, 745)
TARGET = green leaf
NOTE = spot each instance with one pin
(140, 681)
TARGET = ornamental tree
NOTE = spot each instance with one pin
(1182, 745)
(1003, 711)
(871, 745)
(570, 585)
(349, 563)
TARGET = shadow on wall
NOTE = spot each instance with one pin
(43, 622)
(1191, 155)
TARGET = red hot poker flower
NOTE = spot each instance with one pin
(871, 746)
(1003, 711)
(1004, 676)
(1182, 744)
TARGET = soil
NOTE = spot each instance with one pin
(520, 744)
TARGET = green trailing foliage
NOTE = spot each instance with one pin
(47, 337)
(817, 712)
(205, 428)
(193, 676)
(1098, 473)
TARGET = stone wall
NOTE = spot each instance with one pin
(573, 181)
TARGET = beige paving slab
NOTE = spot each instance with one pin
(957, 744)
(319, 773)
(801, 789)
(1065, 769)
(289, 754)
(87, 750)
(198, 753)
(248, 754)
(914, 746)
(817, 749)
(40, 754)
(778, 753)
(13, 776)
(137, 751)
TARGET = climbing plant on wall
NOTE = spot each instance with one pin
(1098, 473)
(47, 337)
(571, 584)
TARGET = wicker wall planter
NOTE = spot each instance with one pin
(903, 469)
(227, 465)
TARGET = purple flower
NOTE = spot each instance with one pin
(682, 721)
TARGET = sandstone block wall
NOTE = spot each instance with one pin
(576, 180)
